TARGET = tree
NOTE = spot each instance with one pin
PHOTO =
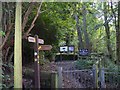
(117, 27)
(118, 36)
(107, 29)
(80, 43)
(87, 41)
(57, 24)
(0, 44)
(8, 27)
(18, 47)
(33, 22)
(8, 23)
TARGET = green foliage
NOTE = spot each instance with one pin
(50, 55)
(84, 64)
(113, 73)
(111, 66)
(2, 33)
(56, 23)
(7, 75)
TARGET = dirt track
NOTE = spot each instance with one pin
(71, 80)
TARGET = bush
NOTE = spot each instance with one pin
(7, 76)
(84, 64)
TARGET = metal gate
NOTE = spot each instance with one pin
(78, 78)
(70, 77)
(112, 79)
(96, 77)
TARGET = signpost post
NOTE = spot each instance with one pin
(36, 41)
(36, 62)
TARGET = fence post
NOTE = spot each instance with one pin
(95, 75)
(60, 77)
(54, 80)
(102, 78)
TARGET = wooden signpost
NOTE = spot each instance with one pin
(45, 47)
(32, 39)
(36, 41)
(38, 47)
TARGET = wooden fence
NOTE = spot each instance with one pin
(49, 79)
(95, 77)
(103, 78)
(90, 78)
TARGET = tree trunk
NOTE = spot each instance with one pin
(18, 47)
(107, 29)
(33, 22)
(67, 39)
(118, 36)
(80, 43)
(87, 41)
(0, 44)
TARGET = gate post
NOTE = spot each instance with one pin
(95, 75)
(102, 78)
(54, 80)
(60, 77)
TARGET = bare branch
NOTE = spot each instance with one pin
(33, 22)
(6, 54)
(25, 20)
(114, 15)
(43, 11)
(6, 37)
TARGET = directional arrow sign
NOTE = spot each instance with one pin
(45, 47)
(32, 39)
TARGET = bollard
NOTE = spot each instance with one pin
(102, 78)
(95, 75)
(54, 80)
(60, 77)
